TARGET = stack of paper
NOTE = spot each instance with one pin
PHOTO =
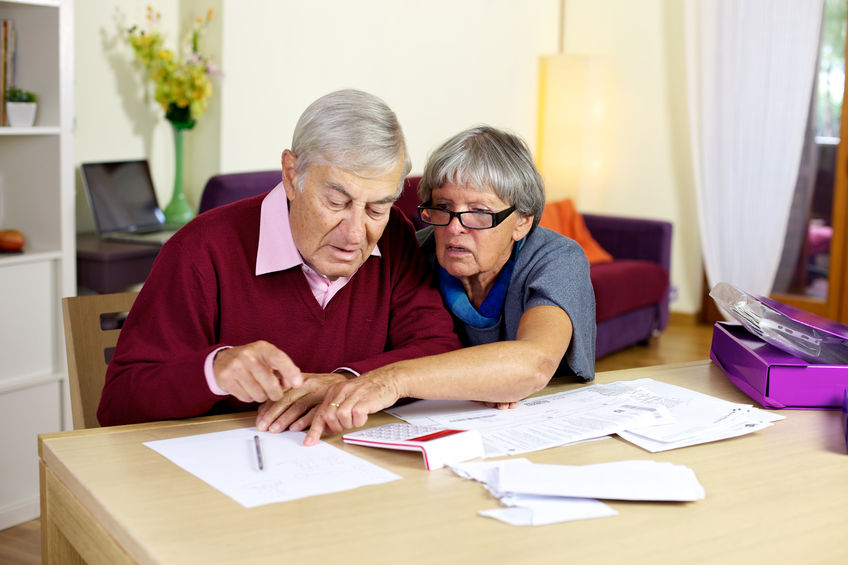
(544, 494)
(698, 418)
(539, 422)
(653, 415)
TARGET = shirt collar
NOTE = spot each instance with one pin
(277, 251)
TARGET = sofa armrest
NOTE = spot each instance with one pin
(632, 238)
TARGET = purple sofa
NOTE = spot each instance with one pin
(226, 188)
(631, 292)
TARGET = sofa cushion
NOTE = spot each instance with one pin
(562, 217)
(626, 284)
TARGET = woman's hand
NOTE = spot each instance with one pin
(502, 405)
(277, 415)
(347, 405)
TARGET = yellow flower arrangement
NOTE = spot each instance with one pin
(183, 83)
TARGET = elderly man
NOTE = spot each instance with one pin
(275, 298)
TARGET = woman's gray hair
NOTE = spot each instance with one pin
(484, 158)
(351, 130)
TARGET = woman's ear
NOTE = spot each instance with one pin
(522, 227)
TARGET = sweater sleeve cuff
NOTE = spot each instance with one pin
(210, 373)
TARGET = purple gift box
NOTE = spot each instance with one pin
(773, 377)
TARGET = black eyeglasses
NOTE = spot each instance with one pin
(472, 219)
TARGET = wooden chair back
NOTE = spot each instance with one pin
(92, 325)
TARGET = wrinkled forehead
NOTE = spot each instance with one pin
(369, 186)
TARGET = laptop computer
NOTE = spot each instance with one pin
(123, 202)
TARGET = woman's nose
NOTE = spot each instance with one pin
(454, 225)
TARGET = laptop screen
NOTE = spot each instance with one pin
(122, 196)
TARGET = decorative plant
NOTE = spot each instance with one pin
(17, 95)
(182, 80)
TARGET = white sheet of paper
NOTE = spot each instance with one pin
(620, 480)
(529, 510)
(698, 418)
(671, 417)
(751, 423)
(485, 471)
(541, 510)
(539, 422)
(227, 461)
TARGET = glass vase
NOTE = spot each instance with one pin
(178, 212)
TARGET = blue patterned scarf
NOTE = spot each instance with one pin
(490, 310)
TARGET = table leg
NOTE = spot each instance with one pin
(55, 547)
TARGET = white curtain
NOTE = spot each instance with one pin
(750, 70)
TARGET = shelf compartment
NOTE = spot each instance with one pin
(28, 300)
(35, 130)
(29, 256)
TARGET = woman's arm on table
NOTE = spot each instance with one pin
(500, 373)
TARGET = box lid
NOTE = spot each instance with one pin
(807, 318)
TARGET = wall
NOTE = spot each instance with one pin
(203, 154)
(430, 62)
(648, 167)
(442, 65)
(115, 114)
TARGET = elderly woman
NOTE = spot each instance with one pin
(520, 294)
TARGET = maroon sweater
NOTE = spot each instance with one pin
(202, 293)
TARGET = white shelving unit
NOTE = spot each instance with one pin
(37, 198)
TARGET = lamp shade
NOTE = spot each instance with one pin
(572, 122)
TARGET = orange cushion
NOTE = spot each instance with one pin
(562, 217)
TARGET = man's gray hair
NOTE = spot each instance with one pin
(351, 130)
(483, 158)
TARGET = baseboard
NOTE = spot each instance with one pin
(18, 513)
(683, 318)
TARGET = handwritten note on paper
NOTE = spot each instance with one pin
(227, 461)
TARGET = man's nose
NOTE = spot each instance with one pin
(353, 226)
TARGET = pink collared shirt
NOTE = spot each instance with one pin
(277, 252)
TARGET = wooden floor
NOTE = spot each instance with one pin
(682, 341)
(21, 544)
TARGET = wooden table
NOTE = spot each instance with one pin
(776, 496)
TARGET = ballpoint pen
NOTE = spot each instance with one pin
(258, 452)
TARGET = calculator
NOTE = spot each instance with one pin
(439, 446)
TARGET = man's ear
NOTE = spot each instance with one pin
(289, 160)
(522, 227)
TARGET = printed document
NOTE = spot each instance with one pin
(540, 422)
(653, 415)
(698, 418)
(228, 462)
